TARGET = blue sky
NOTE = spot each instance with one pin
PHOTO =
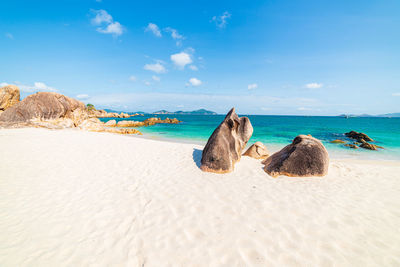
(263, 57)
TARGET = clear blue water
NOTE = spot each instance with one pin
(278, 131)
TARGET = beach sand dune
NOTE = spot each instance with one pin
(74, 198)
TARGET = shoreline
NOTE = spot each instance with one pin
(338, 153)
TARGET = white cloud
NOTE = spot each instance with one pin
(101, 17)
(193, 67)
(132, 78)
(9, 36)
(396, 94)
(252, 86)
(195, 82)
(314, 85)
(155, 78)
(156, 67)
(39, 86)
(181, 59)
(114, 28)
(82, 96)
(106, 23)
(36, 87)
(221, 21)
(175, 35)
(147, 83)
(303, 108)
(154, 29)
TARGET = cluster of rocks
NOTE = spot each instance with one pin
(49, 110)
(104, 114)
(305, 156)
(146, 122)
(359, 140)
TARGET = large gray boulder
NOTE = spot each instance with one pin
(305, 156)
(44, 106)
(9, 96)
(225, 145)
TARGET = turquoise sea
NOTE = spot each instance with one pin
(277, 131)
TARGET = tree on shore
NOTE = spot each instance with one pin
(90, 107)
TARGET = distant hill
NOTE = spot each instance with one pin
(388, 115)
(179, 112)
(392, 115)
(194, 112)
(163, 111)
(130, 113)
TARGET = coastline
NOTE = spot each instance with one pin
(278, 131)
(72, 197)
(338, 153)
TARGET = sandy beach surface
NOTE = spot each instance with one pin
(74, 198)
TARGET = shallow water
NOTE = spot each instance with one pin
(278, 131)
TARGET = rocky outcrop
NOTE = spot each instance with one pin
(147, 122)
(92, 124)
(104, 114)
(53, 124)
(128, 124)
(359, 136)
(9, 96)
(55, 111)
(351, 146)
(111, 123)
(257, 151)
(338, 141)
(305, 156)
(95, 125)
(369, 146)
(362, 140)
(153, 121)
(225, 145)
(45, 106)
(123, 131)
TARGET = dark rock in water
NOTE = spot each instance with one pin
(305, 156)
(43, 106)
(338, 141)
(225, 145)
(359, 136)
(351, 146)
(368, 146)
(257, 151)
(362, 140)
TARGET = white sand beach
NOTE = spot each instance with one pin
(75, 198)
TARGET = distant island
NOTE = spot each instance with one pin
(388, 115)
(179, 112)
(194, 112)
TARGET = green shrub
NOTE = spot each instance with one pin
(90, 107)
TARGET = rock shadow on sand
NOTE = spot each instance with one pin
(197, 153)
